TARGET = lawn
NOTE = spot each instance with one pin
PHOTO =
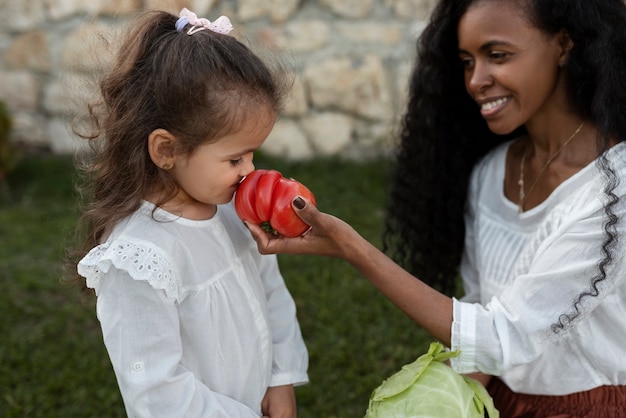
(52, 359)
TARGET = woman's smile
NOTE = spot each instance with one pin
(490, 107)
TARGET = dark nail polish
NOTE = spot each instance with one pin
(299, 203)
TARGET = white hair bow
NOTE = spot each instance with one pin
(220, 25)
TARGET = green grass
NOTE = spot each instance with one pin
(52, 359)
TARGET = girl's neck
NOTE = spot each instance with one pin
(193, 210)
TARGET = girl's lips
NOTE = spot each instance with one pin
(490, 107)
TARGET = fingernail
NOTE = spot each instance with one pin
(299, 203)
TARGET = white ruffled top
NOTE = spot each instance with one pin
(195, 320)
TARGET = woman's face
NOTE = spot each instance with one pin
(511, 68)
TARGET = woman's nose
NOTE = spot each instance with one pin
(480, 78)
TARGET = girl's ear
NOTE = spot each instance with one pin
(566, 44)
(162, 147)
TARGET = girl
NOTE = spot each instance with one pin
(196, 322)
(516, 125)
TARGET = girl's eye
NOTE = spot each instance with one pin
(236, 162)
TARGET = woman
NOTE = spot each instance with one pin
(510, 165)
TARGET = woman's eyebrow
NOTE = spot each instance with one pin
(488, 45)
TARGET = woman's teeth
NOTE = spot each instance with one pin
(494, 104)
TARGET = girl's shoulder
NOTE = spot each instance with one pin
(238, 232)
(138, 246)
(142, 260)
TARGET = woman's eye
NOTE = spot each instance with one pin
(467, 63)
(236, 162)
(496, 55)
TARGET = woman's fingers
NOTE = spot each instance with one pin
(305, 210)
(328, 235)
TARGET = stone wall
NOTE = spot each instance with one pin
(351, 59)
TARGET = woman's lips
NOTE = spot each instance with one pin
(491, 107)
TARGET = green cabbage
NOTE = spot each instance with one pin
(429, 388)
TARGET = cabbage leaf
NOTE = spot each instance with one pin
(429, 388)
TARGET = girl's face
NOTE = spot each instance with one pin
(210, 175)
(511, 68)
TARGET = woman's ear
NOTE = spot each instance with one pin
(162, 147)
(566, 44)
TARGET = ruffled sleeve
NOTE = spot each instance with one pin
(141, 260)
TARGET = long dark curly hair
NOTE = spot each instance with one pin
(443, 134)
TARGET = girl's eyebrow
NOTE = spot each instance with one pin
(242, 152)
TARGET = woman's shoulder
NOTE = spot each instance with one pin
(495, 156)
(617, 156)
(491, 166)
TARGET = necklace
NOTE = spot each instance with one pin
(520, 182)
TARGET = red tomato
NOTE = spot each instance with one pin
(245, 201)
(265, 196)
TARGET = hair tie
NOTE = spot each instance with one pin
(186, 17)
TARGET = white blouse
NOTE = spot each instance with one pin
(522, 271)
(196, 322)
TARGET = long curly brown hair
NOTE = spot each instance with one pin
(198, 87)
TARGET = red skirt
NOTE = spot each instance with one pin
(601, 402)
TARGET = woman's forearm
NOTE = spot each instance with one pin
(330, 236)
(429, 308)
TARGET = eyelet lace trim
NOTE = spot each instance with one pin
(142, 262)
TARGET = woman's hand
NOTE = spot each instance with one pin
(328, 236)
(332, 237)
(484, 379)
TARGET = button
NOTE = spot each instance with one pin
(137, 366)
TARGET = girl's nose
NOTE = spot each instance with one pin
(247, 167)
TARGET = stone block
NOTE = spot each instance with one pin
(277, 10)
(329, 132)
(349, 8)
(296, 103)
(287, 140)
(251, 9)
(70, 94)
(29, 52)
(62, 9)
(412, 9)
(356, 86)
(22, 15)
(91, 47)
(371, 32)
(402, 77)
(282, 10)
(19, 90)
(120, 7)
(303, 36)
(199, 7)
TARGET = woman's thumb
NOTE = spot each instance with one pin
(304, 209)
